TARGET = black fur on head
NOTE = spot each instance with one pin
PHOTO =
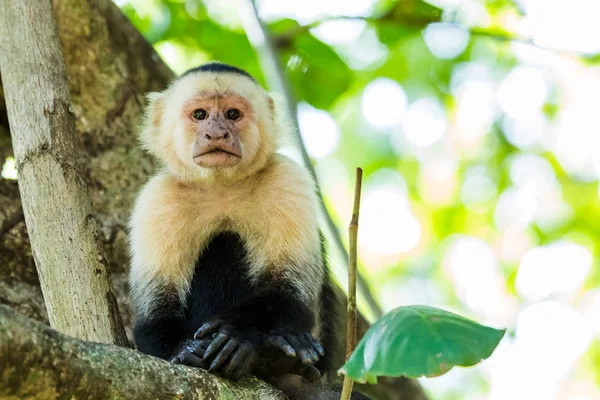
(219, 67)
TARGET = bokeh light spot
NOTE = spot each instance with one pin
(384, 103)
(320, 132)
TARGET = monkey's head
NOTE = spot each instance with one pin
(213, 122)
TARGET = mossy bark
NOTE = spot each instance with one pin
(39, 362)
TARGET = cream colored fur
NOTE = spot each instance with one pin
(267, 199)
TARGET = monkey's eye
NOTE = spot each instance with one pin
(233, 114)
(199, 114)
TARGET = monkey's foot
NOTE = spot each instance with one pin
(232, 352)
(296, 344)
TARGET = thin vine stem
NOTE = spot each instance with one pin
(352, 264)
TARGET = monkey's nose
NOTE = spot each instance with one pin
(216, 135)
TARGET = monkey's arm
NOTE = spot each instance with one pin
(159, 248)
(164, 331)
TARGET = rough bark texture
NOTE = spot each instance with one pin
(41, 363)
(56, 203)
(110, 68)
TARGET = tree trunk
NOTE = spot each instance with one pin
(110, 68)
(38, 362)
(57, 206)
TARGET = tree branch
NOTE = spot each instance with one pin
(268, 57)
(39, 362)
(284, 40)
(10, 221)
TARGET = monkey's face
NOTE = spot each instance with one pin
(217, 124)
(211, 127)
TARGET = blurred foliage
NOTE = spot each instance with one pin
(312, 78)
(392, 43)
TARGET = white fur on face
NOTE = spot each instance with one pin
(163, 133)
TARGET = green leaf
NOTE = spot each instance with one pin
(283, 27)
(419, 341)
(317, 73)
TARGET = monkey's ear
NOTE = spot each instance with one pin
(284, 128)
(153, 116)
(271, 104)
(277, 104)
(155, 108)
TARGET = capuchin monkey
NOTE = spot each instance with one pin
(228, 265)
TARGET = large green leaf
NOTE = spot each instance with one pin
(416, 341)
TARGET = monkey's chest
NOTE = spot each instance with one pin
(220, 279)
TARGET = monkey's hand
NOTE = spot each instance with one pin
(191, 353)
(296, 344)
(232, 352)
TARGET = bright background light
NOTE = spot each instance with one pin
(389, 227)
(320, 133)
(446, 40)
(556, 269)
(384, 103)
(424, 122)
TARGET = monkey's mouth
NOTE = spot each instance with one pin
(218, 150)
(216, 157)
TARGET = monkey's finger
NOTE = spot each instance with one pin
(223, 355)
(309, 348)
(207, 328)
(216, 345)
(237, 366)
(280, 343)
(302, 352)
(190, 359)
(315, 344)
(233, 365)
(307, 351)
(198, 347)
